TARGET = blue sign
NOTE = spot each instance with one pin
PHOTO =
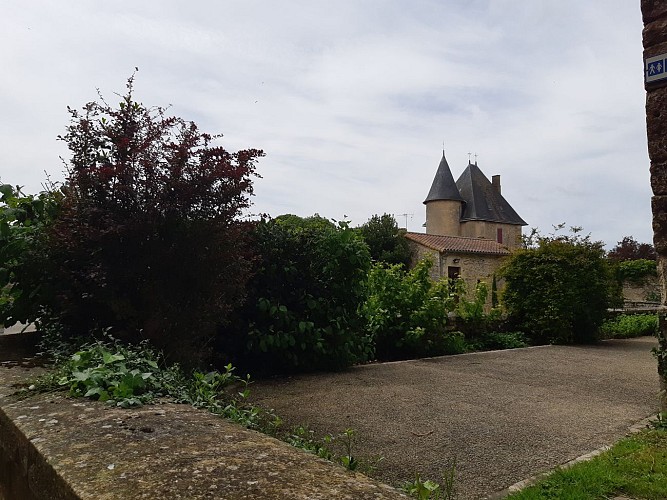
(654, 68)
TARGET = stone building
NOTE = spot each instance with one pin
(470, 227)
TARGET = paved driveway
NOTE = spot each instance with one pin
(504, 415)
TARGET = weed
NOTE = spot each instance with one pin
(660, 422)
(431, 490)
(348, 460)
(107, 371)
(304, 438)
(129, 376)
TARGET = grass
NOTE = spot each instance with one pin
(634, 467)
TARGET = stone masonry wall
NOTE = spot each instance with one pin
(53, 447)
(442, 217)
(654, 13)
(488, 230)
(420, 252)
(644, 292)
(473, 266)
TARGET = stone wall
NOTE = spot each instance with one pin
(489, 231)
(642, 292)
(654, 13)
(473, 266)
(57, 448)
(420, 252)
(442, 217)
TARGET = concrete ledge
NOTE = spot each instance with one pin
(55, 447)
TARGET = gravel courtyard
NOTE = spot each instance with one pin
(503, 415)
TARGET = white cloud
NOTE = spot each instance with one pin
(352, 101)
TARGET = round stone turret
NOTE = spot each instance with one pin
(443, 203)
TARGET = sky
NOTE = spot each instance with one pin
(353, 101)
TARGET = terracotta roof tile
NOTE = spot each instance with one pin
(458, 244)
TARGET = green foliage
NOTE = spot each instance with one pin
(636, 271)
(494, 293)
(423, 490)
(406, 313)
(659, 423)
(626, 326)
(304, 438)
(112, 372)
(301, 309)
(24, 258)
(472, 317)
(149, 241)
(386, 241)
(431, 490)
(348, 460)
(128, 376)
(499, 340)
(557, 290)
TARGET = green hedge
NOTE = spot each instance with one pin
(630, 325)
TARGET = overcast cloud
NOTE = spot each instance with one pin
(351, 101)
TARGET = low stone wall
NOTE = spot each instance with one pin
(55, 447)
(648, 291)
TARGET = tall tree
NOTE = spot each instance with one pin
(630, 249)
(385, 240)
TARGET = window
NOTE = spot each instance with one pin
(499, 235)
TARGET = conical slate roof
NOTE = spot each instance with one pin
(443, 187)
(482, 200)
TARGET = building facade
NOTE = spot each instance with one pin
(470, 227)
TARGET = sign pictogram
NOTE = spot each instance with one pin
(654, 68)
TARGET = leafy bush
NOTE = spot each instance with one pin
(630, 249)
(406, 313)
(500, 340)
(24, 260)
(113, 373)
(557, 291)
(630, 325)
(149, 242)
(301, 310)
(472, 317)
(636, 271)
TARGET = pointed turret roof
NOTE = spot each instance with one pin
(482, 200)
(443, 187)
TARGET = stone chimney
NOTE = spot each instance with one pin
(495, 181)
